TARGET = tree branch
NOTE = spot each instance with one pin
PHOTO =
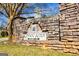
(3, 14)
(5, 9)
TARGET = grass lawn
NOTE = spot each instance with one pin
(20, 50)
(4, 37)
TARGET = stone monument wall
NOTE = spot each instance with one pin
(63, 29)
(51, 24)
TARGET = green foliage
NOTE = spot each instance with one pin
(20, 50)
(4, 34)
(1, 28)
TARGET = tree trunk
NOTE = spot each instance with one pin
(10, 30)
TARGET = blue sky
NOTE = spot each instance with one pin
(53, 6)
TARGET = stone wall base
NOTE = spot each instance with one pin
(63, 46)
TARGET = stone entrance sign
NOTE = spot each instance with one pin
(35, 36)
(35, 33)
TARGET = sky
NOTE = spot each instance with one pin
(54, 9)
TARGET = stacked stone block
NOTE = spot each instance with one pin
(69, 23)
(53, 28)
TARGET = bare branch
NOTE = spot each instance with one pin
(3, 14)
(5, 9)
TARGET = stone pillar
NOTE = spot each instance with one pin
(69, 22)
